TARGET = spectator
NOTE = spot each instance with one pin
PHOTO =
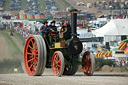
(121, 63)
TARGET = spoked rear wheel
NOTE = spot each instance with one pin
(58, 63)
(88, 64)
(35, 55)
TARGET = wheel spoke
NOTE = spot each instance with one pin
(35, 46)
(36, 58)
(55, 64)
(88, 69)
(30, 47)
(57, 70)
(30, 57)
(89, 64)
(30, 60)
(59, 66)
(36, 54)
(31, 50)
(35, 63)
(56, 58)
(29, 53)
(31, 65)
(59, 61)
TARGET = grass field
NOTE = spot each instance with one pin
(41, 5)
(23, 5)
(61, 4)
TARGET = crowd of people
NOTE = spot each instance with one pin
(24, 33)
(14, 4)
(121, 63)
(112, 4)
(2, 3)
(32, 4)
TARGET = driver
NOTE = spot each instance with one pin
(52, 27)
(44, 29)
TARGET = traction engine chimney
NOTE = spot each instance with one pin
(74, 22)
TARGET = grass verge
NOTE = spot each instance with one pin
(8, 65)
(19, 36)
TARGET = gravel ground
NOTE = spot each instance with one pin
(79, 79)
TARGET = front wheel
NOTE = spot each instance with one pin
(88, 63)
(58, 63)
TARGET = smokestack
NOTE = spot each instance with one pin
(74, 22)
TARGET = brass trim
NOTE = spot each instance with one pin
(74, 12)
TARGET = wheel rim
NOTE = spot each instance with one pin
(56, 63)
(87, 63)
(31, 55)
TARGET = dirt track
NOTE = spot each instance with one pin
(49, 79)
(3, 48)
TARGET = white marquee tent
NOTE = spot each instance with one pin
(113, 29)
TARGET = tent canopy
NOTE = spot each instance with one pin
(113, 27)
(42, 20)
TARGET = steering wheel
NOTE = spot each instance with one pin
(54, 33)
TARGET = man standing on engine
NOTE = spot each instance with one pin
(52, 27)
(44, 29)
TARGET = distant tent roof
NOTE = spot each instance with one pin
(41, 14)
(43, 19)
(31, 13)
(113, 27)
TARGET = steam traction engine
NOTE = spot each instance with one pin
(59, 51)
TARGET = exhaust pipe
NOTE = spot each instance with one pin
(74, 22)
